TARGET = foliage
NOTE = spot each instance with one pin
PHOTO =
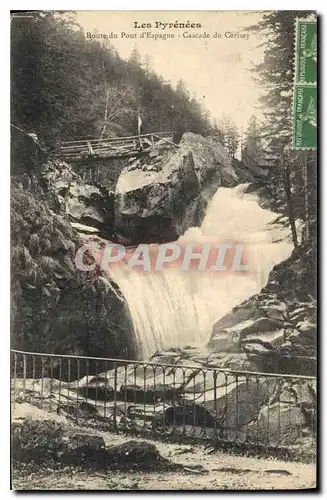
(252, 147)
(227, 134)
(37, 441)
(295, 174)
(65, 86)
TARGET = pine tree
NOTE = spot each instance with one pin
(252, 147)
(181, 90)
(135, 57)
(65, 86)
(232, 137)
(218, 132)
(275, 74)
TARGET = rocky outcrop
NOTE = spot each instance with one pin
(57, 308)
(273, 335)
(210, 160)
(249, 172)
(159, 196)
(48, 443)
(86, 204)
(277, 328)
(26, 151)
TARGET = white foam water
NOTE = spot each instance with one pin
(173, 308)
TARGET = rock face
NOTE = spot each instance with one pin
(249, 172)
(276, 329)
(84, 203)
(55, 306)
(158, 197)
(279, 423)
(24, 146)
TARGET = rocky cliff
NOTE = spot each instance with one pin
(276, 329)
(55, 307)
(160, 196)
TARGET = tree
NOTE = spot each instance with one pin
(135, 57)
(65, 86)
(181, 89)
(218, 132)
(252, 147)
(275, 74)
(231, 134)
(147, 64)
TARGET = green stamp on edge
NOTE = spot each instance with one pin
(305, 88)
(306, 51)
(305, 117)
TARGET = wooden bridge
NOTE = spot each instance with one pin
(118, 147)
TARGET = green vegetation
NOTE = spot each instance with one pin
(295, 175)
(64, 85)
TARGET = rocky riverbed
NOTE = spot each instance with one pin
(192, 467)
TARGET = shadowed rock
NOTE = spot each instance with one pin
(157, 199)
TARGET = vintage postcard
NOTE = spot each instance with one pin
(163, 250)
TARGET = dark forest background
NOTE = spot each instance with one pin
(65, 86)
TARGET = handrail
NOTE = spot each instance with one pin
(117, 139)
(147, 363)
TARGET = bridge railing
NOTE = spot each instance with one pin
(180, 401)
(117, 146)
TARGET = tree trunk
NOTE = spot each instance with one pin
(311, 171)
(290, 211)
(306, 195)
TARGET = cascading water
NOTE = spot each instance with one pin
(173, 308)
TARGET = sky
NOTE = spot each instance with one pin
(215, 69)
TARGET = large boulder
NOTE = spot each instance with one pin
(211, 161)
(158, 198)
(236, 401)
(138, 455)
(84, 203)
(280, 423)
(82, 449)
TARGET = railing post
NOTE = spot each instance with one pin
(114, 413)
(96, 386)
(106, 390)
(60, 376)
(15, 375)
(125, 391)
(68, 387)
(236, 409)
(78, 378)
(87, 380)
(42, 379)
(215, 400)
(268, 407)
(33, 376)
(204, 404)
(24, 374)
(51, 380)
(144, 395)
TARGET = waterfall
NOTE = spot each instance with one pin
(174, 308)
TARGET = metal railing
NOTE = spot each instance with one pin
(185, 401)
